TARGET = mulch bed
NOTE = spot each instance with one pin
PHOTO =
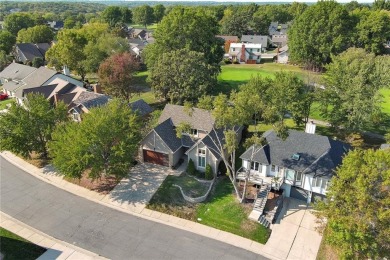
(103, 185)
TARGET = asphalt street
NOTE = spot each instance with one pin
(103, 230)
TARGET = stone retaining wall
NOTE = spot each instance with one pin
(197, 199)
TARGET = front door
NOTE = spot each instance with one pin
(298, 179)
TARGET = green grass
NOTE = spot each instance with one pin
(223, 212)
(15, 247)
(3, 103)
(386, 100)
(141, 26)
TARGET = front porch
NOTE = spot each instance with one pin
(255, 178)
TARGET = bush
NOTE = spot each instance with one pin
(209, 175)
(236, 61)
(227, 61)
(191, 168)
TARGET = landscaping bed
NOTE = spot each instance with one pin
(13, 246)
(221, 210)
(102, 185)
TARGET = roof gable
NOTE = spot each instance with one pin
(141, 107)
(167, 133)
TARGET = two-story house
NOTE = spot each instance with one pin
(301, 165)
(246, 52)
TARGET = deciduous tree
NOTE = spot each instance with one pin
(104, 143)
(17, 21)
(181, 75)
(7, 41)
(357, 213)
(28, 129)
(116, 75)
(36, 34)
(158, 12)
(143, 15)
(115, 14)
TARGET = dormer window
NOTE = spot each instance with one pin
(194, 132)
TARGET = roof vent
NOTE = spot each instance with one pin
(310, 127)
(295, 157)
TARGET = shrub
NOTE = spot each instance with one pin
(227, 61)
(209, 175)
(191, 168)
(236, 61)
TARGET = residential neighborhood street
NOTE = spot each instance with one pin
(103, 230)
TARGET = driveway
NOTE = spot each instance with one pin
(135, 191)
(293, 235)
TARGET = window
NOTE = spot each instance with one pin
(194, 132)
(258, 50)
(202, 158)
(319, 182)
(299, 177)
(255, 166)
(290, 175)
(234, 49)
(273, 168)
(324, 184)
(75, 116)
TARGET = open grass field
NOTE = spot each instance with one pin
(13, 246)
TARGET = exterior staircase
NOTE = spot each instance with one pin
(264, 221)
(258, 207)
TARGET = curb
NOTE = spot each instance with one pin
(142, 212)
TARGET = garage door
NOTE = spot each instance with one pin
(298, 193)
(156, 158)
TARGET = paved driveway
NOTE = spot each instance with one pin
(135, 191)
(294, 235)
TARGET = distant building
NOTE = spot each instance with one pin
(25, 52)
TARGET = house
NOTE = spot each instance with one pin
(138, 33)
(258, 39)
(280, 40)
(282, 55)
(137, 45)
(14, 73)
(85, 102)
(141, 107)
(278, 29)
(245, 52)
(384, 146)
(162, 145)
(301, 165)
(27, 52)
(56, 25)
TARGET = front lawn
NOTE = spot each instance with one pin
(13, 246)
(221, 210)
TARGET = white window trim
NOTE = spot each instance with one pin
(203, 156)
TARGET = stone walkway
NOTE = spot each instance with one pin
(121, 199)
(56, 249)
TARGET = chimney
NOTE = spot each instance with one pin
(97, 88)
(310, 127)
(55, 98)
(66, 71)
(242, 58)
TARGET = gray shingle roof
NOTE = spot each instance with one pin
(168, 134)
(318, 154)
(38, 77)
(385, 146)
(46, 91)
(261, 39)
(16, 71)
(91, 99)
(30, 51)
(141, 107)
(200, 118)
(11, 85)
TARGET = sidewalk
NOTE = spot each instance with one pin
(56, 249)
(48, 175)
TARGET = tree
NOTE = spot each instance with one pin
(322, 30)
(37, 62)
(357, 214)
(28, 129)
(5, 60)
(181, 75)
(381, 5)
(116, 75)
(69, 51)
(186, 27)
(143, 15)
(36, 34)
(351, 97)
(373, 30)
(234, 23)
(158, 12)
(17, 21)
(114, 15)
(7, 41)
(104, 142)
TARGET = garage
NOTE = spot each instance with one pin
(156, 158)
(298, 193)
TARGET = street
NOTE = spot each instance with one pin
(103, 230)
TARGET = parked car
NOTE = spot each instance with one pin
(3, 96)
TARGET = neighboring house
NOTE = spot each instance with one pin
(137, 45)
(280, 40)
(25, 52)
(245, 52)
(258, 39)
(278, 29)
(226, 38)
(56, 25)
(303, 164)
(138, 33)
(141, 107)
(84, 102)
(162, 146)
(282, 56)
(14, 73)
